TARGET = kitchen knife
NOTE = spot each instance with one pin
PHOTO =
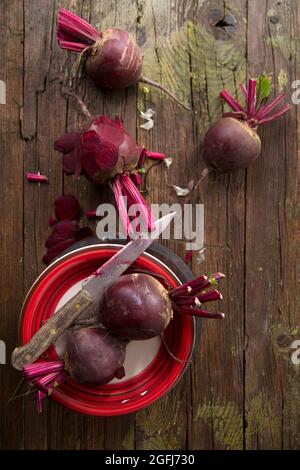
(91, 291)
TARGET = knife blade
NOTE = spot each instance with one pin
(91, 292)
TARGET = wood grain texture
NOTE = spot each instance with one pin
(242, 390)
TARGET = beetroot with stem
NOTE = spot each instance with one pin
(93, 356)
(104, 151)
(137, 306)
(112, 57)
(232, 143)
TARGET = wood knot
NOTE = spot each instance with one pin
(283, 340)
(223, 25)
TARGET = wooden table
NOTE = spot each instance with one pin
(242, 390)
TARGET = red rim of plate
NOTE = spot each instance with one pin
(118, 398)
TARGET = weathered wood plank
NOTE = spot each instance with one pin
(11, 207)
(272, 382)
(160, 27)
(218, 61)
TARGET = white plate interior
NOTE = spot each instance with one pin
(139, 354)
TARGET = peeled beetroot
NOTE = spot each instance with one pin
(137, 306)
(104, 151)
(232, 143)
(93, 356)
(112, 57)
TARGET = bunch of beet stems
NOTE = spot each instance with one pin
(186, 299)
(254, 113)
(44, 376)
(113, 59)
(189, 297)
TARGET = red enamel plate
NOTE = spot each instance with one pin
(150, 371)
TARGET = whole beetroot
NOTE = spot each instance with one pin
(137, 306)
(112, 57)
(93, 356)
(232, 143)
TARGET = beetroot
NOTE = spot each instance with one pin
(93, 356)
(104, 151)
(232, 143)
(112, 57)
(65, 230)
(137, 306)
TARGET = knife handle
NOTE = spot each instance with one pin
(51, 330)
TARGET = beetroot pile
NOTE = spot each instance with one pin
(135, 307)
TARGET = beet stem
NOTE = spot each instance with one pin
(144, 79)
(269, 107)
(81, 104)
(233, 103)
(197, 312)
(244, 90)
(251, 98)
(146, 214)
(276, 115)
(185, 288)
(36, 178)
(119, 197)
(91, 214)
(155, 155)
(74, 33)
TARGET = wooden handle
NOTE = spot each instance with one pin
(51, 330)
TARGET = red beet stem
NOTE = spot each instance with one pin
(233, 103)
(136, 178)
(74, 33)
(188, 286)
(134, 193)
(36, 178)
(244, 90)
(32, 371)
(198, 312)
(142, 158)
(210, 296)
(274, 116)
(143, 79)
(46, 380)
(120, 201)
(91, 214)
(39, 398)
(156, 155)
(251, 98)
(269, 107)
(187, 301)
